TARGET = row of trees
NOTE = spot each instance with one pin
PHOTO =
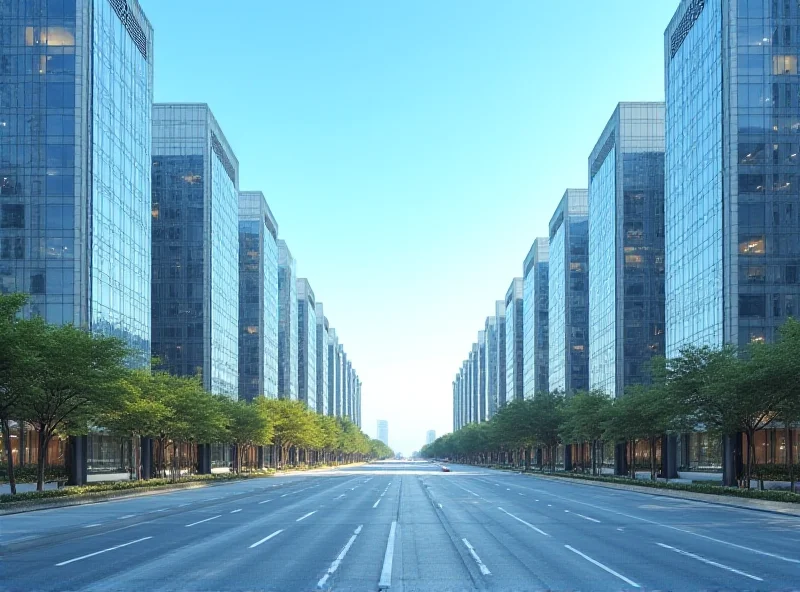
(64, 381)
(725, 391)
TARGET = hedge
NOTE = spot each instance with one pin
(29, 473)
(149, 484)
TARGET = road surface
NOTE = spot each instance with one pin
(402, 527)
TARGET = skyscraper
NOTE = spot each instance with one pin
(474, 384)
(731, 189)
(258, 298)
(287, 323)
(333, 371)
(195, 196)
(483, 401)
(626, 248)
(322, 360)
(490, 366)
(383, 431)
(430, 437)
(513, 338)
(500, 315)
(306, 344)
(568, 293)
(535, 352)
(75, 131)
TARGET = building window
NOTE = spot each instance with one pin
(12, 216)
(752, 245)
(752, 305)
(754, 274)
(784, 64)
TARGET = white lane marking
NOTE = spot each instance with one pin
(162, 510)
(537, 500)
(388, 557)
(353, 488)
(335, 565)
(484, 570)
(182, 505)
(103, 551)
(264, 502)
(210, 499)
(375, 505)
(522, 494)
(497, 485)
(582, 516)
(126, 516)
(549, 505)
(528, 524)
(440, 506)
(234, 511)
(604, 567)
(92, 525)
(305, 516)
(508, 489)
(709, 562)
(340, 497)
(206, 520)
(266, 538)
(284, 495)
(697, 534)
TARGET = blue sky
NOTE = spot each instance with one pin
(411, 151)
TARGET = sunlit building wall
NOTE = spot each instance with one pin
(513, 339)
(287, 323)
(535, 352)
(322, 360)
(306, 345)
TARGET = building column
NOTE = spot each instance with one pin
(621, 459)
(731, 460)
(669, 456)
(260, 457)
(146, 454)
(76, 446)
(204, 459)
(568, 457)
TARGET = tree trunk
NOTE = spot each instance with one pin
(652, 459)
(12, 481)
(44, 440)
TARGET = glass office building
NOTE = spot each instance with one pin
(195, 279)
(535, 353)
(76, 94)
(626, 248)
(490, 366)
(333, 370)
(322, 360)
(500, 315)
(474, 383)
(568, 293)
(483, 400)
(258, 298)
(731, 190)
(513, 339)
(306, 344)
(287, 323)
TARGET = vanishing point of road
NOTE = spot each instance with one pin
(400, 526)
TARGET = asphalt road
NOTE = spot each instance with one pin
(405, 526)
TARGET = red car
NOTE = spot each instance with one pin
(445, 469)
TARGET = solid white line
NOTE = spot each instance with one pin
(264, 502)
(484, 570)
(266, 538)
(709, 562)
(375, 505)
(306, 516)
(103, 551)
(582, 516)
(528, 524)
(127, 516)
(92, 525)
(335, 565)
(162, 510)
(388, 557)
(206, 520)
(234, 511)
(284, 495)
(604, 567)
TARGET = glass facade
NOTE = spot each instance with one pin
(500, 315)
(195, 287)
(258, 298)
(568, 293)
(490, 366)
(750, 242)
(535, 327)
(626, 248)
(483, 400)
(287, 323)
(322, 360)
(514, 340)
(693, 184)
(333, 370)
(76, 90)
(306, 345)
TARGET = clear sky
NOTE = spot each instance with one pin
(411, 150)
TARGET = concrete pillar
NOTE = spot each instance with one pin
(76, 446)
(260, 457)
(147, 457)
(669, 456)
(621, 459)
(731, 460)
(568, 457)
(204, 459)
(538, 457)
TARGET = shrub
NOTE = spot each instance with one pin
(27, 473)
